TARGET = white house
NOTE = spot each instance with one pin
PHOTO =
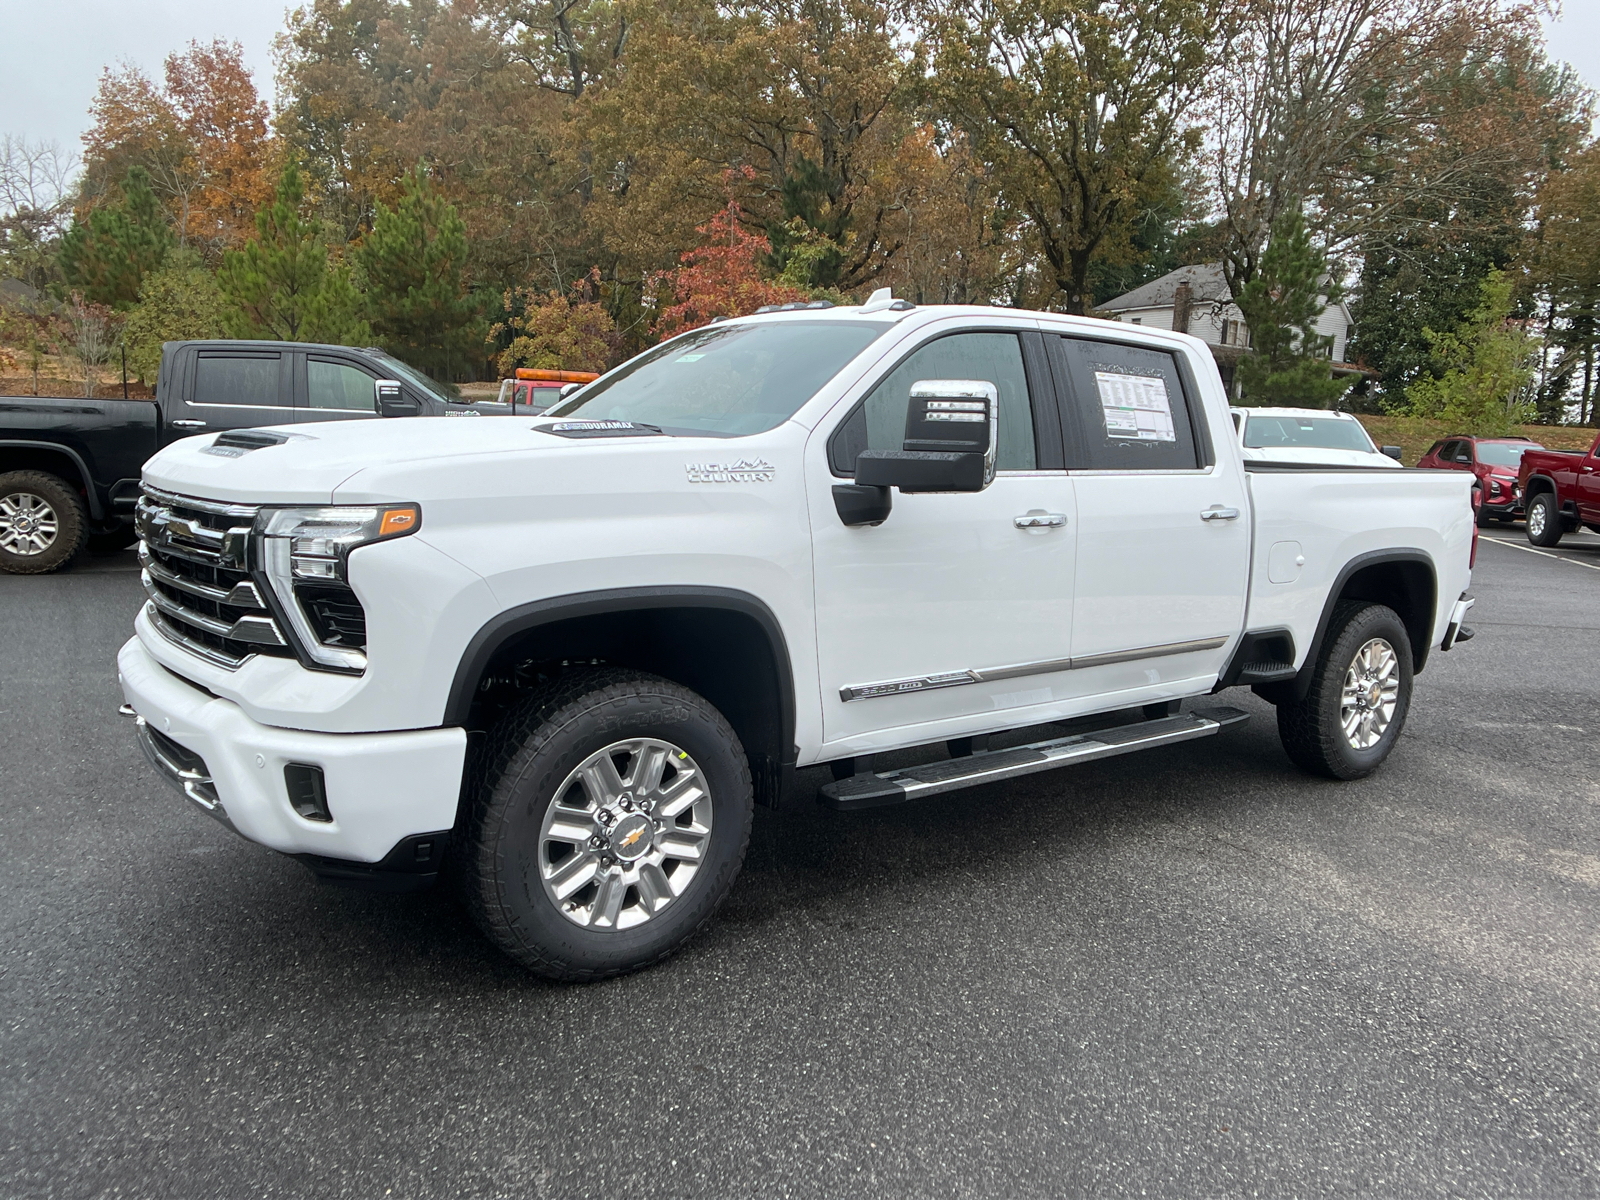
(1196, 300)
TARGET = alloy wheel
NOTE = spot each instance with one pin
(28, 524)
(1371, 691)
(625, 834)
(1536, 520)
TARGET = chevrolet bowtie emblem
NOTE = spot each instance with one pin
(632, 837)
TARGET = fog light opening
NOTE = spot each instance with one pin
(308, 792)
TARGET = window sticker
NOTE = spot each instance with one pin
(1135, 406)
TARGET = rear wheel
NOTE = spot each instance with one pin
(1359, 696)
(610, 819)
(1544, 520)
(43, 522)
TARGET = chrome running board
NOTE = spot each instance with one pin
(896, 787)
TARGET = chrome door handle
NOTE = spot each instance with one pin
(1040, 520)
(187, 424)
(1218, 513)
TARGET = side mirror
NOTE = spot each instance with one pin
(1392, 451)
(568, 388)
(392, 400)
(952, 429)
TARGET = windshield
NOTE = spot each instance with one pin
(1321, 433)
(418, 380)
(1503, 454)
(725, 380)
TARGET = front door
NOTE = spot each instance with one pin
(335, 389)
(951, 612)
(1163, 524)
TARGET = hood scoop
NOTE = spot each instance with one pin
(236, 443)
(598, 429)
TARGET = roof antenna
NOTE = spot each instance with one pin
(878, 301)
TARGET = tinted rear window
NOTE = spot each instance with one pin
(250, 379)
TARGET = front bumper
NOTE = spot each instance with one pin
(382, 788)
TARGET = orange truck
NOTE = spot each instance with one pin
(536, 388)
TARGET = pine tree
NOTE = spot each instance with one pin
(106, 257)
(1484, 365)
(281, 286)
(1281, 306)
(417, 296)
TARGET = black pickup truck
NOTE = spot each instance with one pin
(69, 469)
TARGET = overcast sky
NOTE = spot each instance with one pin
(54, 50)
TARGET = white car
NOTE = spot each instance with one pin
(1309, 435)
(576, 649)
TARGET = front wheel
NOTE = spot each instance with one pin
(1544, 520)
(609, 822)
(43, 522)
(1360, 693)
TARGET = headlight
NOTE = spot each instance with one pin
(305, 556)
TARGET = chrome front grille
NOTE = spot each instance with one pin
(195, 556)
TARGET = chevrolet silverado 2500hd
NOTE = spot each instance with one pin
(567, 654)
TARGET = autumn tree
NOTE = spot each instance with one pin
(281, 285)
(721, 278)
(1081, 109)
(799, 98)
(1281, 304)
(201, 140)
(107, 256)
(567, 330)
(417, 295)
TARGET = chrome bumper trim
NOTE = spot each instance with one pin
(192, 781)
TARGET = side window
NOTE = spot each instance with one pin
(242, 379)
(879, 423)
(1128, 409)
(339, 385)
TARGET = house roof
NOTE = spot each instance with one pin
(1205, 280)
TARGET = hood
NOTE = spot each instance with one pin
(1310, 454)
(308, 464)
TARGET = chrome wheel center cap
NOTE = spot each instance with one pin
(1374, 694)
(630, 837)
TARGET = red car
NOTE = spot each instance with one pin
(1563, 491)
(1494, 461)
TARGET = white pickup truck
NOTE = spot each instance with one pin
(564, 656)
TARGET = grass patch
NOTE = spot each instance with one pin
(1414, 435)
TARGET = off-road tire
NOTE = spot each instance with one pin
(528, 755)
(1310, 729)
(1549, 524)
(72, 522)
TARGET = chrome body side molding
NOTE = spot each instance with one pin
(925, 683)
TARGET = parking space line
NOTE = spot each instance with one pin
(1541, 553)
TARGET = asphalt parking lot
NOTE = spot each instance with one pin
(1193, 972)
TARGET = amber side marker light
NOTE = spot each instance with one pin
(397, 520)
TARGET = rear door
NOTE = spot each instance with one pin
(335, 388)
(234, 389)
(1163, 537)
